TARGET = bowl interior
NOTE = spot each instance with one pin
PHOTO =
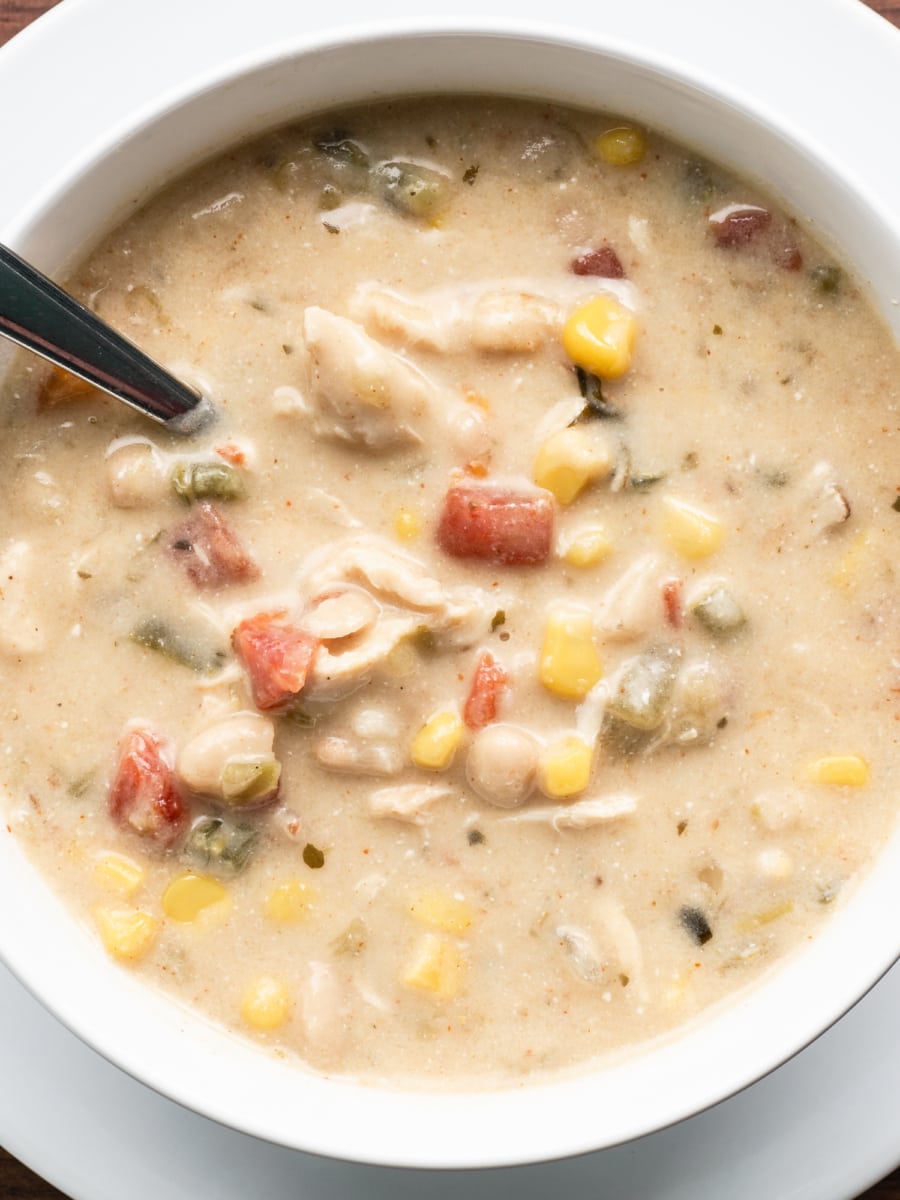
(175, 1051)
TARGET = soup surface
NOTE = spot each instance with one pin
(511, 671)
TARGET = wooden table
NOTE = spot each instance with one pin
(16, 1181)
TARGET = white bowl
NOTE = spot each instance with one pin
(177, 1052)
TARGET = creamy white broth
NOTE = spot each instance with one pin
(444, 925)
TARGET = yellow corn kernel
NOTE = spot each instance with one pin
(437, 967)
(290, 900)
(437, 741)
(841, 770)
(564, 768)
(443, 911)
(116, 873)
(407, 524)
(266, 1003)
(589, 547)
(568, 461)
(127, 933)
(570, 663)
(188, 895)
(622, 147)
(689, 530)
(599, 336)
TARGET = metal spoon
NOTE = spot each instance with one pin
(37, 314)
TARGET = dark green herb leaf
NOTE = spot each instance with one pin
(471, 173)
(597, 407)
(313, 856)
(475, 837)
(498, 619)
(694, 921)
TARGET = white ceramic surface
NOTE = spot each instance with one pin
(823, 1127)
(38, 75)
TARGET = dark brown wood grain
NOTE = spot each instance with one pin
(16, 1181)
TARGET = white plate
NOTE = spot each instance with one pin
(823, 1126)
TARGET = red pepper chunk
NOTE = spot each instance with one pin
(738, 224)
(672, 602)
(209, 549)
(143, 795)
(277, 657)
(497, 525)
(602, 262)
(487, 687)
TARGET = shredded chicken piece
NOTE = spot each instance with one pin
(409, 802)
(514, 322)
(582, 953)
(632, 607)
(457, 615)
(582, 815)
(322, 1009)
(358, 758)
(358, 390)
(21, 629)
(825, 502)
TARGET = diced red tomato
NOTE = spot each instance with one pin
(672, 602)
(209, 549)
(143, 795)
(602, 262)
(488, 683)
(737, 224)
(497, 525)
(277, 657)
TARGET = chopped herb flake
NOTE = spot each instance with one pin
(694, 922)
(313, 856)
(475, 837)
(717, 330)
(896, 505)
(498, 619)
(471, 173)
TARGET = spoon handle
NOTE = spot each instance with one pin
(37, 314)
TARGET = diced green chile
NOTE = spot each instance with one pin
(207, 481)
(596, 407)
(719, 613)
(827, 279)
(347, 162)
(644, 687)
(247, 782)
(153, 633)
(219, 845)
(416, 191)
(694, 922)
(351, 940)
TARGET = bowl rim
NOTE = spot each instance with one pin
(164, 108)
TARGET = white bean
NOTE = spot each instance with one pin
(239, 735)
(502, 764)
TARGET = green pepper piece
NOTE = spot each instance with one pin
(247, 782)
(220, 846)
(644, 687)
(207, 481)
(416, 191)
(347, 162)
(153, 633)
(827, 279)
(719, 613)
(596, 406)
(351, 940)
